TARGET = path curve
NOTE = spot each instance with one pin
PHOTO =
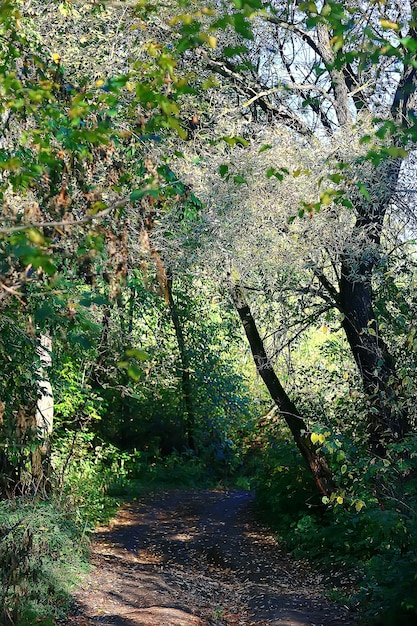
(197, 558)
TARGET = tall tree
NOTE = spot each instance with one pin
(323, 70)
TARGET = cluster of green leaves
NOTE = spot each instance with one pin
(137, 393)
(86, 468)
(364, 542)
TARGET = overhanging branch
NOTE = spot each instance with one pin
(8, 230)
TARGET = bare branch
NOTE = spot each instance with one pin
(294, 28)
(327, 285)
(246, 87)
(322, 47)
(292, 87)
(11, 291)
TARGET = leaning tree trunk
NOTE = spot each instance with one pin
(299, 429)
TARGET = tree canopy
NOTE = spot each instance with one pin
(186, 187)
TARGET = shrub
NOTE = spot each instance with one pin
(42, 554)
(367, 533)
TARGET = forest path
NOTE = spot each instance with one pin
(197, 558)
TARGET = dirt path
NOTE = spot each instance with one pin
(197, 558)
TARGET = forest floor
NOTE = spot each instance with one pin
(198, 558)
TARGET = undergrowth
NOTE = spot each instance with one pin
(42, 554)
(364, 539)
(44, 535)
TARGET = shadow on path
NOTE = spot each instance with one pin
(198, 558)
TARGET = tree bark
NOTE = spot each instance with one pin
(45, 404)
(9, 475)
(387, 419)
(299, 430)
(44, 416)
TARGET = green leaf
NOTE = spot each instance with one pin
(90, 299)
(44, 312)
(44, 262)
(35, 236)
(249, 4)
(115, 84)
(242, 26)
(326, 197)
(409, 43)
(336, 178)
(223, 170)
(173, 123)
(266, 146)
(234, 51)
(397, 153)
(365, 139)
(138, 194)
(134, 372)
(82, 341)
(137, 353)
(210, 83)
(232, 141)
(279, 174)
(362, 188)
(96, 207)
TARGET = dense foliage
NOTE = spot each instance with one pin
(175, 180)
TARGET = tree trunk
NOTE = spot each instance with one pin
(189, 421)
(45, 404)
(44, 416)
(165, 280)
(317, 464)
(9, 475)
(387, 418)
